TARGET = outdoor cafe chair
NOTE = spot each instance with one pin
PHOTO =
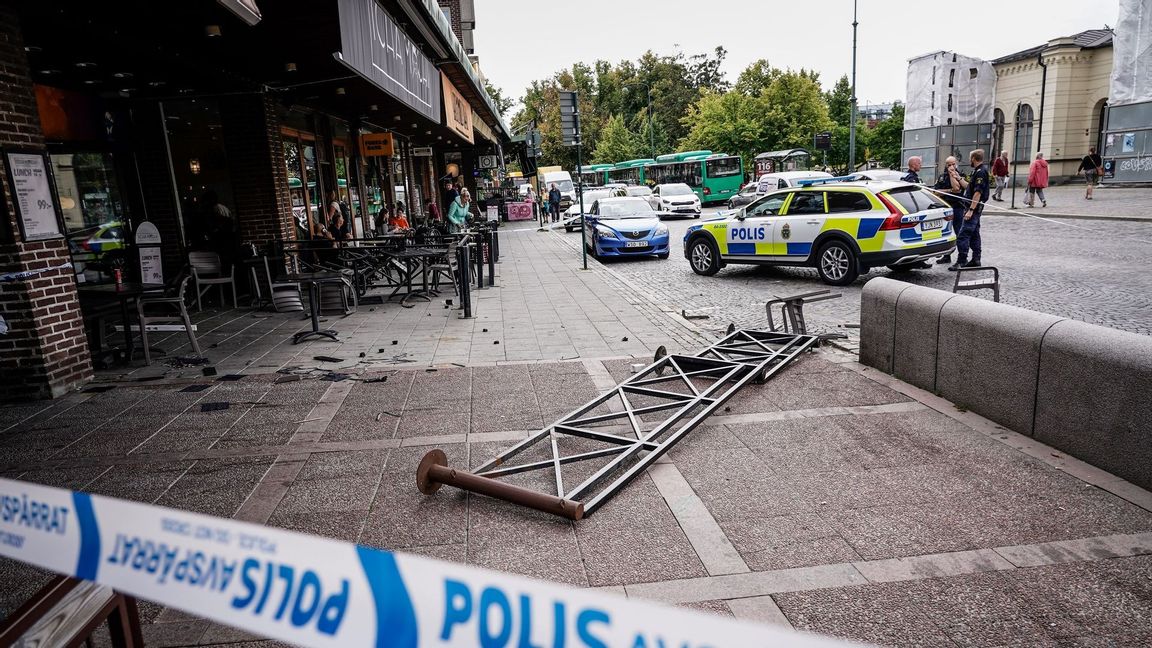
(284, 295)
(446, 266)
(175, 310)
(208, 271)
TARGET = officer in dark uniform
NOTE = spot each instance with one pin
(975, 195)
(913, 174)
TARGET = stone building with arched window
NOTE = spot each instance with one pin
(1051, 98)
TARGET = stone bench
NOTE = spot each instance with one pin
(1084, 389)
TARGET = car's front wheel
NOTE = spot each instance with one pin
(837, 264)
(704, 257)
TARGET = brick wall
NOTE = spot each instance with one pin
(453, 7)
(45, 352)
(252, 143)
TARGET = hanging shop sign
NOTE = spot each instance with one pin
(483, 129)
(374, 46)
(377, 145)
(421, 151)
(457, 111)
(37, 211)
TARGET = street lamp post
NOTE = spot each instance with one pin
(852, 122)
(651, 129)
(1015, 150)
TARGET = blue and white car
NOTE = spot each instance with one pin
(624, 227)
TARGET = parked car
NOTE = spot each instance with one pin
(572, 215)
(747, 194)
(842, 229)
(638, 190)
(676, 198)
(626, 226)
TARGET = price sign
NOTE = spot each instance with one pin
(35, 203)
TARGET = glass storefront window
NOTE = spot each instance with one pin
(95, 219)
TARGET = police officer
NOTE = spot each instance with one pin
(948, 186)
(913, 174)
(975, 195)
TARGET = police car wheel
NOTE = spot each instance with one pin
(704, 257)
(837, 264)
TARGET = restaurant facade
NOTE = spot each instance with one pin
(206, 118)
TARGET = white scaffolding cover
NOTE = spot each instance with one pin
(945, 86)
(1132, 54)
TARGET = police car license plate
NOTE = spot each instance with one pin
(932, 224)
(636, 244)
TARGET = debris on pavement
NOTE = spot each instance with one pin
(214, 407)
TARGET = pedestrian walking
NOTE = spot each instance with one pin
(554, 202)
(913, 174)
(1037, 181)
(950, 186)
(530, 198)
(1000, 174)
(458, 212)
(975, 195)
(1092, 167)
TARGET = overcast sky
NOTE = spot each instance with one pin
(519, 42)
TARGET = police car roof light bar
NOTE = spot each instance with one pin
(808, 182)
(624, 430)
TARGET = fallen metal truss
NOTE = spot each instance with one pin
(597, 449)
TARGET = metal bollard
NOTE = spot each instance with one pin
(479, 243)
(496, 245)
(489, 253)
(465, 281)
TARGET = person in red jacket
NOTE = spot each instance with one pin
(1000, 173)
(1037, 181)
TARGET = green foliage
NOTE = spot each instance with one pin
(885, 140)
(694, 107)
(616, 143)
(840, 101)
(503, 104)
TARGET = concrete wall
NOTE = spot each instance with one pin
(1084, 389)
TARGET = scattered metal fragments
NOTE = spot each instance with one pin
(693, 316)
(214, 407)
(179, 362)
(680, 390)
(322, 358)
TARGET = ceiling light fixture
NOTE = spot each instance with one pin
(373, 108)
(85, 64)
(212, 31)
(340, 91)
(289, 67)
(122, 75)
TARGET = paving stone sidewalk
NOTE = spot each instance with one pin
(1067, 201)
(832, 499)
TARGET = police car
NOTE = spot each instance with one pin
(841, 228)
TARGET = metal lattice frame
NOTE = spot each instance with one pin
(682, 390)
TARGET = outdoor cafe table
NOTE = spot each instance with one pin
(415, 259)
(124, 293)
(314, 281)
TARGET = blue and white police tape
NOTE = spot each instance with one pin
(313, 591)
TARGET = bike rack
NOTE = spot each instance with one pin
(681, 390)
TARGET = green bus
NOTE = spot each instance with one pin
(630, 172)
(593, 175)
(715, 177)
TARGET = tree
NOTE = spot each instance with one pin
(503, 104)
(796, 110)
(885, 141)
(840, 101)
(616, 143)
(732, 123)
(756, 77)
(704, 71)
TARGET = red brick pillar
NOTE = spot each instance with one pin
(45, 352)
(259, 176)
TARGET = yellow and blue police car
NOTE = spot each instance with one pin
(841, 228)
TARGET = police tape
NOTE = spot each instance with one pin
(314, 591)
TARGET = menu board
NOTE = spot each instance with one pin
(32, 192)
